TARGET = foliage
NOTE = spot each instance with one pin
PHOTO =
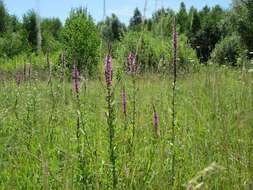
(205, 31)
(81, 41)
(12, 44)
(162, 22)
(52, 26)
(3, 18)
(30, 29)
(111, 29)
(182, 18)
(244, 23)
(227, 51)
(148, 50)
(153, 55)
(136, 21)
(50, 43)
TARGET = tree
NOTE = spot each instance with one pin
(136, 20)
(13, 24)
(12, 44)
(162, 21)
(52, 26)
(112, 29)
(244, 14)
(30, 29)
(81, 40)
(3, 17)
(182, 18)
(195, 22)
(205, 31)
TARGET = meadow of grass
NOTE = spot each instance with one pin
(40, 149)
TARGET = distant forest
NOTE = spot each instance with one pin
(212, 34)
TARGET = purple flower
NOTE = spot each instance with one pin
(108, 70)
(75, 79)
(174, 42)
(123, 96)
(132, 63)
(156, 122)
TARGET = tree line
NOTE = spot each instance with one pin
(211, 34)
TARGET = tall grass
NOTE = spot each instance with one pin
(214, 124)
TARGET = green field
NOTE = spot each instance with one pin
(213, 136)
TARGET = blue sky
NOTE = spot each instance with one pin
(123, 8)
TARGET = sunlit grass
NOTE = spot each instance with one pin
(214, 124)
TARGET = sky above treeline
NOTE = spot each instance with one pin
(122, 8)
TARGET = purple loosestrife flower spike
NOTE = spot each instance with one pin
(123, 95)
(132, 63)
(174, 44)
(156, 122)
(108, 70)
(75, 79)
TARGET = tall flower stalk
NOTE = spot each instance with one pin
(18, 83)
(156, 122)
(75, 89)
(76, 92)
(175, 48)
(75, 81)
(62, 77)
(110, 117)
(124, 105)
(53, 99)
(49, 68)
(24, 72)
(132, 66)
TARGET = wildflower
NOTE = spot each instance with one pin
(75, 79)
(156, 122)
(174, 42)
(108, 70)
(132, 63)
(110, 118)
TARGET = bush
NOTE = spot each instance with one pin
(187, 56)
(227, 51)
(50, 43)
(81, 39)
(148, 50)
(153, 55)
(12, 44)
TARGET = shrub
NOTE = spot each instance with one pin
(148, 50)
(227, 51)
(153, 55)
(80, 38)
(187, 56)
(12, 44)
(49, 42)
